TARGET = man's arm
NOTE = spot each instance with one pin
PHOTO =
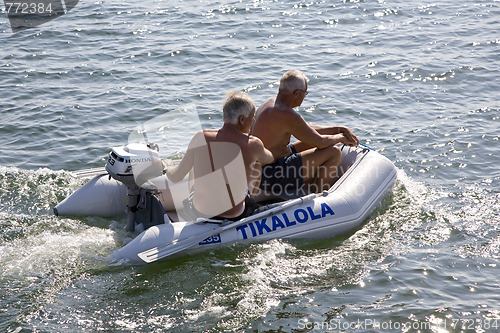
(307, 134)
(337, 130)
(261, 156)
(177, 173)
(264, 156)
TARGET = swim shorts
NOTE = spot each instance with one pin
(284, 178)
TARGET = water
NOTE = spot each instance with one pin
(417, 81)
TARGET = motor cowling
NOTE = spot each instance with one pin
(134, 164)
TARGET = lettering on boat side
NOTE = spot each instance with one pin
(282, 221)
(211, 240)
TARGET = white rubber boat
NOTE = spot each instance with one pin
(366, 177)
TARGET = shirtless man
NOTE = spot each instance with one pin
(312, 161)
(225, 163)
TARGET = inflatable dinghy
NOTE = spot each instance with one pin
(365, 177)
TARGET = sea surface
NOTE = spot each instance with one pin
(418, 81)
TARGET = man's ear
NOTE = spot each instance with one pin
(241, 119)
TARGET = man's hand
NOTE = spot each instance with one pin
(167, 163)
(351, 139)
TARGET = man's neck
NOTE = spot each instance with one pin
(227, 127)
(284, 100)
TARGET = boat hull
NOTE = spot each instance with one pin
(341, 210)
(366, 177)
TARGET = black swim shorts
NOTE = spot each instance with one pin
(284, 178)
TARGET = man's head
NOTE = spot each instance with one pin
(293, 85)
(292, 81)
(239, 109)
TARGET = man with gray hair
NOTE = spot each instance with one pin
(308, 165)
(225, 164)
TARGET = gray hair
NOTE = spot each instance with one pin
(237, 103)
(291, 81)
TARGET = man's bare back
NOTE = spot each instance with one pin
(226, 163)
(251, 148)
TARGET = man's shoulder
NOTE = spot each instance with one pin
(253, 143)
(284, 114)
(201, 137)
(208, 133)
(253, 140)
(277, 112)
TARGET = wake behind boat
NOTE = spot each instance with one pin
(365, 178)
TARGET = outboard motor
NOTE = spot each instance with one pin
(133, 165)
